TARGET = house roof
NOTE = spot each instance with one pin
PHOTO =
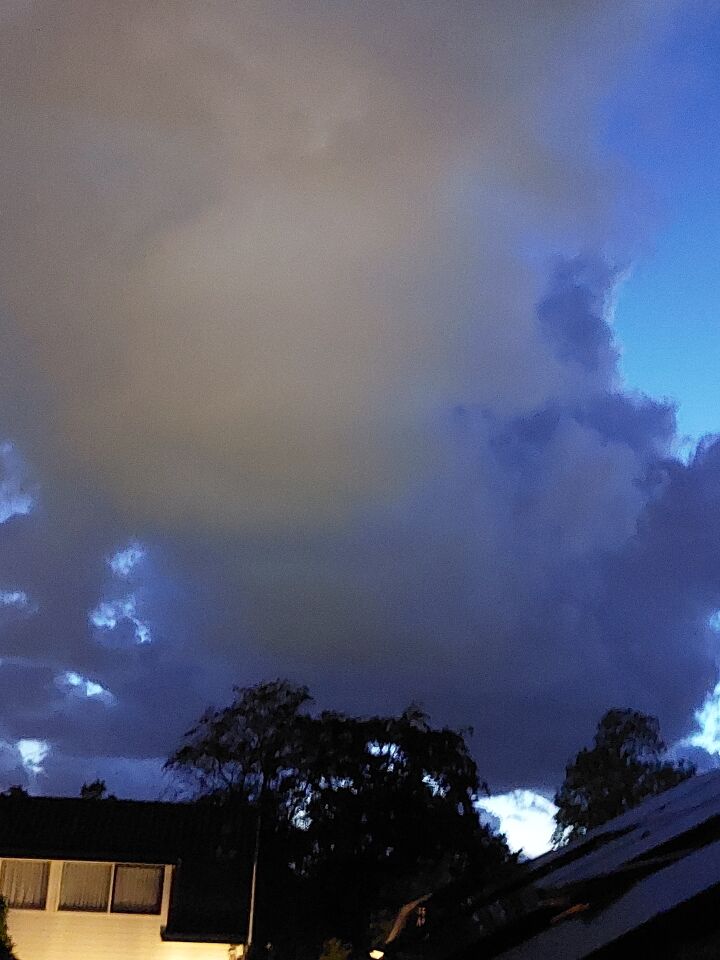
(621, 877)
(209, 896)
(142, 832)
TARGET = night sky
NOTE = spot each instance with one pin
(371, 344)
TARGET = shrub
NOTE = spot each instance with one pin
(6, 944)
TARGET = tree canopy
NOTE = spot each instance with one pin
(253, 750)
(16, 791)
(626, 764)
(359, 814)
(95, 790)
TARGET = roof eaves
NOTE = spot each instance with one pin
(176, 936)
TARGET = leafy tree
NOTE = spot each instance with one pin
(250, 750)
(6, 944)
(16, 791)
(625, 766)
(96, 790)
(358, 814)
(391, 815)
(250, 754)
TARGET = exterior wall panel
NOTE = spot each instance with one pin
(46, 935)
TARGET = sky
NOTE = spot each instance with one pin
(667, 309)
(369, 345)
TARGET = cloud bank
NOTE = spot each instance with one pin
(305, 376)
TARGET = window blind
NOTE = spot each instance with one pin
(137, 889)
(85, 886)
(23, 883)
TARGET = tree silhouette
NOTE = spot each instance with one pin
(96, 790)
(250, 750)
(6, 944)
(16, 791)
(354, 815)
(626, 765)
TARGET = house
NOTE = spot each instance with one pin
(644, 884)
(121, 880)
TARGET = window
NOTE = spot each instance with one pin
(85, 886)
(137, 889)
(23, 883)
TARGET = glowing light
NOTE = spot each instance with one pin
(109, 614)
(526, 819)
(75, 683)
(124, 561)
(32, 753)
(15, 500)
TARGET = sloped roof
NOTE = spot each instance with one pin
(649, 827)
(66, 828)
(627, 879)
(620, 877)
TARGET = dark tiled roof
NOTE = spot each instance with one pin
(63, 828)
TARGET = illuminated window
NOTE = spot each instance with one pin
(137, 889)
(23, 883)
(85, 886)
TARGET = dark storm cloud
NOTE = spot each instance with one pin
(572, 316)
(557, 562)
(266, 314)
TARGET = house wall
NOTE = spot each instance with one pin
(53, 934)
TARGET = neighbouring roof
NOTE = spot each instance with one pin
(623, 877)
(209, 899)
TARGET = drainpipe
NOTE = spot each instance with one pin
(253, 884)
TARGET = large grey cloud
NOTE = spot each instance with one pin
(272, 306)
(236, 234)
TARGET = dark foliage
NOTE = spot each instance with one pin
(357, 815)
(96, 790)
(6, 944)
(390, 815)
(252, 751)
(625, 766)
(16, 791)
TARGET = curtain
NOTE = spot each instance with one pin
(85, 886)
(23, 883)
(137, 889)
